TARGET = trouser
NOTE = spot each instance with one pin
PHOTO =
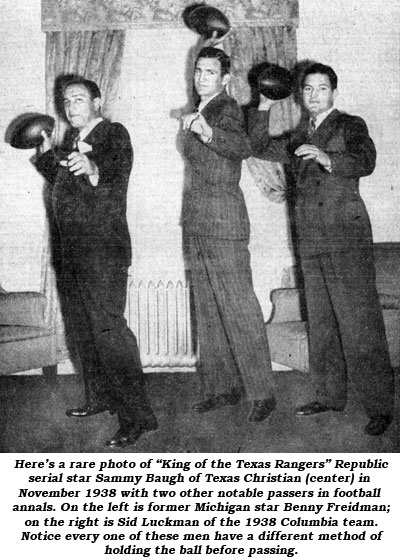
(108, 351)
(234, 352)
(346, 331)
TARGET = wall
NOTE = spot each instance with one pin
(359, 39)
(22, 218)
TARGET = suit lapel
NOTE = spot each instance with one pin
(97, 134)
(325, 130)
(212, 110)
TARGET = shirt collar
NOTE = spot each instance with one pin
(88, 128)
(321, 117)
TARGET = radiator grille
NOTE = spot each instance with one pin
(159, 315)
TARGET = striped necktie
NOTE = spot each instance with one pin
(311, 127)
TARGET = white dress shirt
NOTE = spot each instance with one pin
(85, 148)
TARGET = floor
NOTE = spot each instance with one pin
(32, 415)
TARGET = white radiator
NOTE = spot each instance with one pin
(159, 316)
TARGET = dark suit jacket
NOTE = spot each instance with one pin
(331, 215)
(214, 205)
(92, 219)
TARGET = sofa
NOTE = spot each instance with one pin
(287, 327)
(27, 335)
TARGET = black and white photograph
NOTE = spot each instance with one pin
(178, 277)
(200, 257)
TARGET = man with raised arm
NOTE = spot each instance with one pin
(329, 155)
(234, 353)
(89, 177)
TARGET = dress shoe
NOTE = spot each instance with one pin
(261, 410)
(127, 436)
(378, 425)
(87, 411)
(313, 408)
(218, 401)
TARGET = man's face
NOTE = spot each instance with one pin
(207, 78)
(80, 108)
(317, 93)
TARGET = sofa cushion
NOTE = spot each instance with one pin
(20, 333)
(24, 308)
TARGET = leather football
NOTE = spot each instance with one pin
(204, 20)
(275, 82)
(26, 133)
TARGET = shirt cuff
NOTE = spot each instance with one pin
(94, 179)
(208, 140)
(328, 167)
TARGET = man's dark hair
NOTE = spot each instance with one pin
(317, 68)
(211, 52)
(91, 86)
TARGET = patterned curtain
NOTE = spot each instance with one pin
(96, 56)
(247, 47)
(80, 15)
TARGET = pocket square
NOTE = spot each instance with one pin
(83, 147)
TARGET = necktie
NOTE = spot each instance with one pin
(311, 127)
(75, 142)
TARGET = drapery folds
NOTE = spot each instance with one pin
(248, 47)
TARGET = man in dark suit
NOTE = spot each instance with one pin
(234, 351)
(89, 177)
(329, 155)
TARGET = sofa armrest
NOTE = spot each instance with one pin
(26, 308)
